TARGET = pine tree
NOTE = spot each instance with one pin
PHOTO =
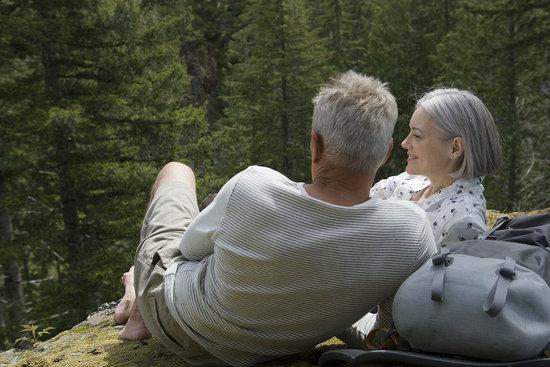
(499, 50)
(14, 160)
(204, 49)
(343, 27)
(277, 66)
(400, 38)
(105, 112)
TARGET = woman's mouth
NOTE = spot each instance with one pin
(410, 157)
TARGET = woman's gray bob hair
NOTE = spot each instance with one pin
(459, 113)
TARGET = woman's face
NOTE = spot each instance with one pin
(428, 155)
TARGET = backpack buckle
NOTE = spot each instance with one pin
(442, 258)
(507, 272)
(439, 259)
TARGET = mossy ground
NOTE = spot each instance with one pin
(94, 343)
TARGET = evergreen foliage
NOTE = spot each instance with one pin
(97, 114)
(500, 51)
(96, 95)
(277, 66)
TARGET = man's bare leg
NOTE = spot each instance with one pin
(135, 328)
(122, 311)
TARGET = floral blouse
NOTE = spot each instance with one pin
(456, 212)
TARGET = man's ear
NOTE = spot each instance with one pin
(388, 153)
(457, 147)
(317, 146)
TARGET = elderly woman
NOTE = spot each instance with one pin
(452, 144)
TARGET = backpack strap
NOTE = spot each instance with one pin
(498, 224)
(439, 261)
(497, 296)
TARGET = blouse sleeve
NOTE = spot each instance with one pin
(384, 189)
(465, 228)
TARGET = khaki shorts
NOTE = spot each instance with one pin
(168, 216)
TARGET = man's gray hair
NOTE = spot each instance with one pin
(355, 115)
(459, 113)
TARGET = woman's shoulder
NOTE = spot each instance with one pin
(466, 197)
(469, 188)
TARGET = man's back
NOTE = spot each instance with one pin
(287, 271)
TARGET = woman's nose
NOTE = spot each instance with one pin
(405, 143)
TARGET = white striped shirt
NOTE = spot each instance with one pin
(274, 271)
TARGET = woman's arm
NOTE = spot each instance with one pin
(385, 188)
(463, 228)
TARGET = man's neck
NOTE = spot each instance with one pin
(340, 186)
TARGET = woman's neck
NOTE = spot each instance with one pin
(436, 184)
(439, 183)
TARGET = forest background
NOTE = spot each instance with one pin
(96, 95)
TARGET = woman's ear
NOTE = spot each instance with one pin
(457, 147)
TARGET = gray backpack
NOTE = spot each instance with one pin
(487, 298)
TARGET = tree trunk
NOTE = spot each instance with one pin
(285, 133)
(64, 146)
(446, 16)
(205, 57)
(514, 137)
(13, 283)
(338, 41)
(203, 68)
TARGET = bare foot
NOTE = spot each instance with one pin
(135, 328)
(123, 309)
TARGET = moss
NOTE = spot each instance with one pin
(98, 346)
(33, 361)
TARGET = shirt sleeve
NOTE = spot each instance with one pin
(427, 245)
(384, 189)
(426, 249)
(356, 335)
(197, 241)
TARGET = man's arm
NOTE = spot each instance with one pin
(197, 241)
(356, 335)
(426, 249)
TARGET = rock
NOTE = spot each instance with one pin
(95, 343)
(9, 357)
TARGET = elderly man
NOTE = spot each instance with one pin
(272, 267)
